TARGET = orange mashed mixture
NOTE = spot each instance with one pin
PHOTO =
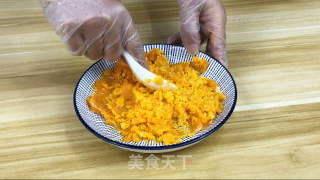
(141, 113)
(157, 80)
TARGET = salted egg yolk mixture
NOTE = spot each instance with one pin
(164, 116)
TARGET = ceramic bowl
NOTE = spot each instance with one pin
(175, 54)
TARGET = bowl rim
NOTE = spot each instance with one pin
(164, 147)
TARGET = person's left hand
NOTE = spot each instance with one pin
(202, 21)
(99, 28)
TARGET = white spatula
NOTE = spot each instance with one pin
(143, 74)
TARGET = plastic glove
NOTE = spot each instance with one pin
(202, 21)
(95, 28)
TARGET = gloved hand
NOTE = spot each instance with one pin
(202, 21)
(95, 28)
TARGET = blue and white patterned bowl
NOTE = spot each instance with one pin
(175, 54)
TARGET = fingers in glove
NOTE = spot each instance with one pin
(216, 46)
(95, 51)
(88, 36)
(214, 27)
(190, 25)
(218, 54)
(113, 49)
(133, 45)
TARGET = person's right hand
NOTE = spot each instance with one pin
(202, 21)
(95, 28)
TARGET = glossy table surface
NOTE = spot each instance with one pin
(274, 132)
